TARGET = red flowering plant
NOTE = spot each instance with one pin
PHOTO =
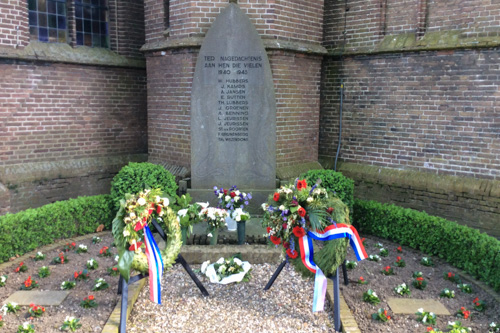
(136, 212)
(105, 252)
(451, 277)
(61, 259)
(463, 313)
(88, 302)
(113, 271)
(362, 280)
(36, 311)
(399, 249)
(294, 210)
(400, 262)
(388, 270)
(381, 315)
(21, 268)
(29, 284)
(1, 321)
(81, 275)
(69, 246)
(479, 305)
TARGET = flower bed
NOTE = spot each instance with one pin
(54, 316)
(437, 278)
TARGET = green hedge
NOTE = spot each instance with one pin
(27, 230)
(136, 177)
(333, 181)
(463, 247)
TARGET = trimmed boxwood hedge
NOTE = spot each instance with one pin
(335, 182)
(27, 230)
(461, 246)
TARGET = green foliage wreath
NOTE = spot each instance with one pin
(135, 212)
(308, 208)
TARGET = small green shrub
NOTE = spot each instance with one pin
(461, 246)
(335, 182)
(135, 177)
(27, 230)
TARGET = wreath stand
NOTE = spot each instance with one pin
(336, 290)
(123, 285)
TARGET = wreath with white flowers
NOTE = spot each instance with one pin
(295, 209)
(137, 211)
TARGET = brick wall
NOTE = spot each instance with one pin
(290, 20)
(296, 85)
(433, 111)
(57, 111)
(170, 77)
(126, 24)
(14, 30)
(369, 21)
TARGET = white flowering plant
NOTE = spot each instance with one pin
(351, 264)
(26, 327)
(232, 198)
(215, 217)
(426, 317)
(100, 284)
(374, 257)
(39, 256)
(493, 328)
(447, 293)
(96, 240)
(92, 264)
(371, 297)
(465, 287)
(3, 280)
(10, 307)
(402, 290)
(456, 327)
(81, 248)
(66, 285)
(71, 324)
(227, 270)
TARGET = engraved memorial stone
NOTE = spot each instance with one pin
(233, 111)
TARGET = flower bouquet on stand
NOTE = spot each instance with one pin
(216, 219)
(235, 202)
(188, 214)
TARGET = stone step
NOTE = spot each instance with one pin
(411, 306)
(44, 298)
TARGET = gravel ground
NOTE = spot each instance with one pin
(243, 307)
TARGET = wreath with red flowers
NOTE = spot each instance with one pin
(295, 209)
(137, 211)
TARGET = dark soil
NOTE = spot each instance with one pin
(93, 319)
(384, 287)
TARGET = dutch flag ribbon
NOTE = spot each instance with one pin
(331, 232)
(155, 264)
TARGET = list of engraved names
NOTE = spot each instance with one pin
(233, 104)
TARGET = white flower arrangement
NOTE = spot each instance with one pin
(225, 271)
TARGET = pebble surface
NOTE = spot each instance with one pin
(241, 307)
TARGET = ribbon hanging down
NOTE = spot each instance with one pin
(155, 264)
(332, 232)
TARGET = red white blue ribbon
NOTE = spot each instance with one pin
(307, 253)
(155, 264)
(342, 231)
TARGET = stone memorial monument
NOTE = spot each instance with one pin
(233, 111)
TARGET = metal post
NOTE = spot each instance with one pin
(344, 271)
(336, 301)
(124, 304)
(275, 275)
(180, 259)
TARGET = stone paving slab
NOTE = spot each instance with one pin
(411, 306)
(44, 298)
